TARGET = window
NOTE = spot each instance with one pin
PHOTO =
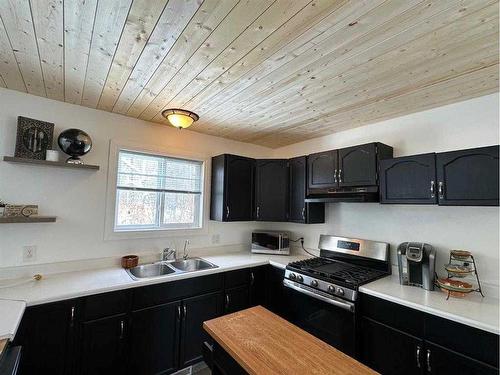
(155, 192)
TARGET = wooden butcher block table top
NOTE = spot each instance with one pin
(263, 343)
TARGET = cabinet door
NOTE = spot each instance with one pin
(390, 351)
(468, 177)
(258, 285)
(438, 360)
(271, 190)
(103, 343)
(358, 165)
(277, 300)
(195, 311)
(410, 179)
(239, 188)
(47, 335)
(322, 170)
(236, 299)
(154, 339)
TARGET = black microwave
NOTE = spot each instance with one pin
(271, 242)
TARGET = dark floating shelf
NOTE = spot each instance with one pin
(49, 163)
(22, 219)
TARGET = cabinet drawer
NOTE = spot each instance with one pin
(396, 316)
(472, 342)
(237, 278)
(175, 290)
(105, 304)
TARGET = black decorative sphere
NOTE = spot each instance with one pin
(74, 142)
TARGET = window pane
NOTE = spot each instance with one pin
(181, 209)
(183, 175)
(136, 208)
(138, 170)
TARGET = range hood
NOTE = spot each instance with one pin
(348, 194)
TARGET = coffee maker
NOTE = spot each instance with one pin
(416, 263)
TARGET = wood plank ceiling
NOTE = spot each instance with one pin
(269, 72)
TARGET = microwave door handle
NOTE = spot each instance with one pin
(280, 242)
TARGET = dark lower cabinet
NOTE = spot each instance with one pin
(468, 177)
(195, 311)
(409, 180)
(236, 299)
(442, 361)
(394, 339)
(389, 351)
(277, 300)
(47, 336)
(103, 346)
(258, 284)
(154, 339)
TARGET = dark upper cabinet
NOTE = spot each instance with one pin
(409, 179)
(154, 339)
(103, 344)
(232, 188)
(299, 210)
(322, 169)
(271, 190)
(348, 167)
(390, 351)
(468, 177)
(195, 311)
(46, 335)
(357, 166)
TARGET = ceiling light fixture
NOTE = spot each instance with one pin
(180, 118)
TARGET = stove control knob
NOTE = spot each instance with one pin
(300, 278)
(340, 291)
(331, 289)
(292, 276)
(314, 283)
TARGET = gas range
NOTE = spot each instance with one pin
(344, 264)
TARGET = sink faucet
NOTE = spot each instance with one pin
(185, 255)
(168, 254)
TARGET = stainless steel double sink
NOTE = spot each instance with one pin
(166, 268)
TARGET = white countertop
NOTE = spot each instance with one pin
(482, 313)
(11, 312)
(473, 310)
(66, 285)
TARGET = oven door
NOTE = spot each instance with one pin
(332, 323)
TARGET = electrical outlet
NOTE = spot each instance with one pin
(215, 238)
(29, 253)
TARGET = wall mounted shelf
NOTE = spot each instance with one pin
(22, 219)
(49, 163)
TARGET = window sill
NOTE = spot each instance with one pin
(154, 233)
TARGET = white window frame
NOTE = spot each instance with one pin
(111, 233)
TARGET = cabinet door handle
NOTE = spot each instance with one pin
(303, 213)
(428, 361)
(433, 189)
(418, 356)
(252, 278)
(340, 175)
(335, 175)
(227, 212)
(72, 316)
(184, 308)
(122, 329)
(441, 189)
(227, 301)
(179, 312)
(258, 211)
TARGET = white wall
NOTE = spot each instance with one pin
(468, 124)
(78, 197)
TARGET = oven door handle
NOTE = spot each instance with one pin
(332, 301)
